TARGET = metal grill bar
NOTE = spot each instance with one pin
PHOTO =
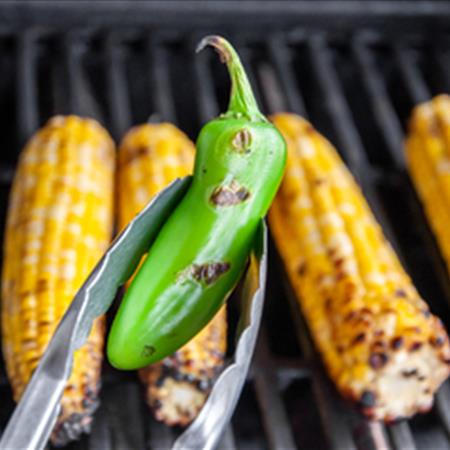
(412, 80)
(382, 110)
(273, 412)
(160, 79)
(208, 107)
(27, 108)
(349, 142)
(401, 436)
(120, 109)
(79, 97)
(282, 62)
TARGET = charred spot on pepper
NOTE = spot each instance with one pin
(206, 273)
(148, 350)
(209, 273)
(242, 141)
(229, 195)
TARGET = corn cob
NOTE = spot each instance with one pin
(150, 157)
(380, 344)
(59, 224)
(428, 159)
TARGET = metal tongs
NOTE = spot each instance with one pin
(35, 415)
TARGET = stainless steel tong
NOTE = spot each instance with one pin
(35, 415)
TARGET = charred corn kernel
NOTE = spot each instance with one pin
(380, 343)
(178, 386)
(428, 158)
(58, 225)
(150, 157)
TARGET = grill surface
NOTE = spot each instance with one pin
(354, 69)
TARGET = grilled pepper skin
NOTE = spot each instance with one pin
(202, 249)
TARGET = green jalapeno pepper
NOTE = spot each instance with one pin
(202, 249)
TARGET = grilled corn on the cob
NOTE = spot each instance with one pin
(59, 224)
(150, 157)
(428, 158)
(380, 343)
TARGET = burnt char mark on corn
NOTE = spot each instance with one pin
(178, 386)
(367, 319)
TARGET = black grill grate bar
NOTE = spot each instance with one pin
(382, 109)
(119, 101)
(413, 81)
(349, 141)
(442, 405)
(79, 96)
(160, 79)
(442, 61)
(274, 415)
(275, 99)
(160, 436)
(100, 437)
(332, 414)
(282, 62)
(207, 107)
(126, 423)
(27, 108)
(401, 436)
(6, 174)
(73, 72)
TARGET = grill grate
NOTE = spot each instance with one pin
(354, 70)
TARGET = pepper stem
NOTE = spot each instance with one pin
(242, 101)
